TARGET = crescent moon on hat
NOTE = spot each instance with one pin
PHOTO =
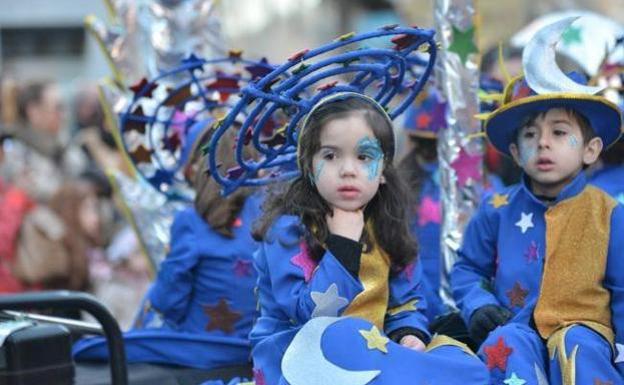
(305, 364)
(541, 71)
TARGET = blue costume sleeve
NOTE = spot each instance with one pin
(614, 281)
(407, 304)
(171, 291)
(475, 267)
(292, 284)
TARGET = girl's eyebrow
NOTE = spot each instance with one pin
(556, 121)
(328, 147)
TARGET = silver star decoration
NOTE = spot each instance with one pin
(620, 353)
(328, 303)
(525, 222)
(514, 380)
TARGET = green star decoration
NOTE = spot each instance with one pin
(571, 35)
(463, 43)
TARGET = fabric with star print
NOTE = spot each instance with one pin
(203, 298)
(293, 289)
(506, 243)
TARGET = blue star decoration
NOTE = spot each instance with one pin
(514, 380)
(329, 303)
(463, 43)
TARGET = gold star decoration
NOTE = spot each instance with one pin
(408, 306)
(221, 317)
(499, 200)
(374, 339)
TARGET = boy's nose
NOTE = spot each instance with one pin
(544, 140)
(347, 168)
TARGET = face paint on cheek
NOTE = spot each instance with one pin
(372, 150)
(318, 171)
(573, 140)
(527, 152)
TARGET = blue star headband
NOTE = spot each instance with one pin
(167, 114)
(391, 76)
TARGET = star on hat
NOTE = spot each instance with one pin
(374, 339)
(329, 303)
(525, 222)
(221, 317)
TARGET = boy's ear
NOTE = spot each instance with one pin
(592, 150)
(513, 148)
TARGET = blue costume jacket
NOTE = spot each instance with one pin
(611, 180)
(294, 289)
(201, 307)
(551, 266)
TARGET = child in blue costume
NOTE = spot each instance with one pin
(610, 176)
(539, 275)
(336, 242)
(200, 309)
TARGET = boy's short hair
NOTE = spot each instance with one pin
(587, 131)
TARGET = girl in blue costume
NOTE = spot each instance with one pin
(199, 311)
(336, 242)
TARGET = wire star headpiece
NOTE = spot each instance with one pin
(392, 75)
(163, 119)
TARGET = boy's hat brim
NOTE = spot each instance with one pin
(603, 116)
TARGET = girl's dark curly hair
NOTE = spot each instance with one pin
(388, 210)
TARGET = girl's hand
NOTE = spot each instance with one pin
(348, 224)
(413, 342)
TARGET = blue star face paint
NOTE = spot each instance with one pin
(369, 150)
(573, 141)
(527, 152)
(319, 170)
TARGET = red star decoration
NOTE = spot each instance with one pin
(467, 167)
(429, 212)
(173, 142)
(327, 86)
(517, 295)
(242, 268)
(409, 271)
(258, 376)
(221, 317)
(304, 261)
(497, 355)
(298, 55)
(177, 97)
(532, 252)
(423, 120)
(402, 41)
(144, 88)
(226, 85)
(141, 155)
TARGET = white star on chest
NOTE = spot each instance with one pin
(328, 303)
(525, 222)
(620, 353)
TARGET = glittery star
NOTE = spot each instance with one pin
(571, 35)
(517, 295)
(143, 88)
(298, 55)
(242, 268)
(177, 97)
(497, 355)
(374, 339)
(303, 260)
(514, 380)
(620, 353)
(532, 252)
(226, 85)
(499, 200)
(467, 167)
(429, 212)
(402, 41)
(409, 271)
(173, 142)
(221, 317)
(463, 43)
(135, 121)
(620, 198)
(329, 303)
(525, 222)
(408, 306)
(327, 86)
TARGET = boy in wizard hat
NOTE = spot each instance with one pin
(539, 273)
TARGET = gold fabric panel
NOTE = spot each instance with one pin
(577, 241)
(372, 303)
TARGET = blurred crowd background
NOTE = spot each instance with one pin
(56, 203)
